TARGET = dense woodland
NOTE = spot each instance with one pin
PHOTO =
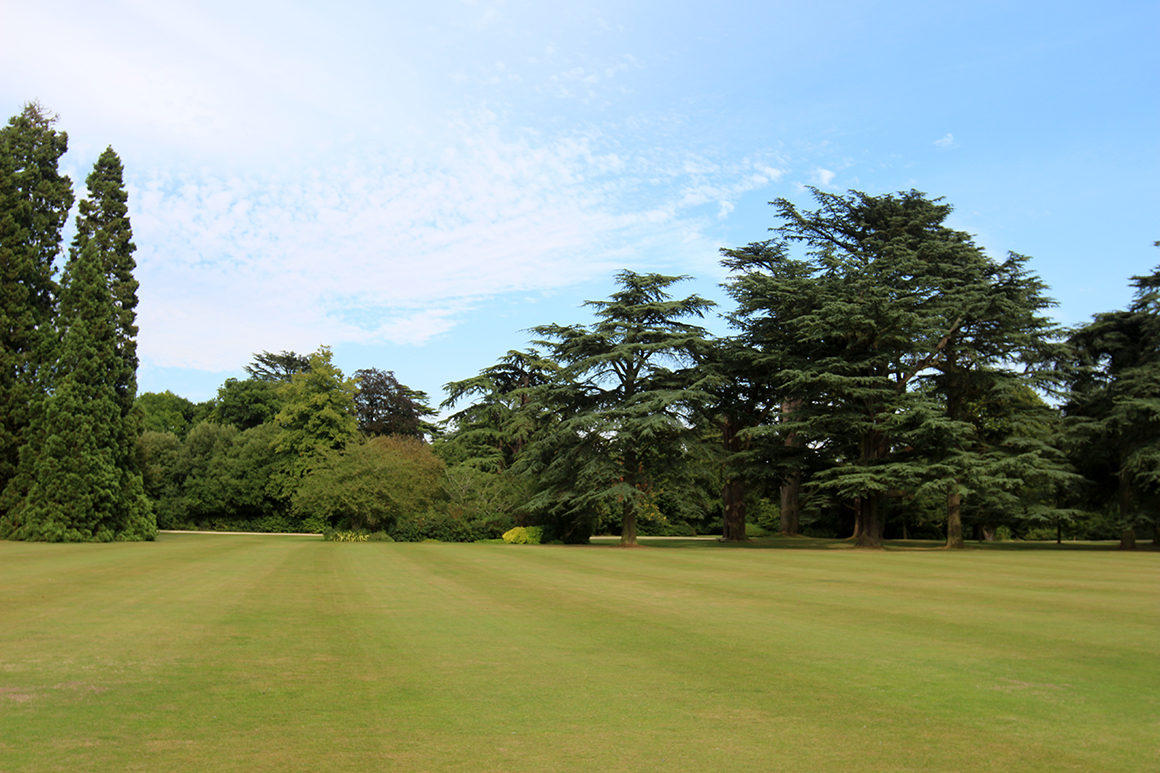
(885, 379)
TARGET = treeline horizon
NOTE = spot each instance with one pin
(885, 379)
(720, 443)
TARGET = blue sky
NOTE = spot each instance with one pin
(416, 184)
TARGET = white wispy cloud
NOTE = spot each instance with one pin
(301, 182)
(947, 141)
(396, 248)
(822, 177)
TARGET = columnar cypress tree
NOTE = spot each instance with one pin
(104, 219)
(79, 477)
(72, 472)
(34, 203)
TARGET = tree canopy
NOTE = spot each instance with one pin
(886, 302)
(625, 398)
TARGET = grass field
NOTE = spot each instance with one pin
(260, 653)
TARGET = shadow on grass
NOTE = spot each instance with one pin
(779, 542)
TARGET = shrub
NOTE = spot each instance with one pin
(344, 536)
(354, 536)
(524, 535)
(433, 525)
(370, 485)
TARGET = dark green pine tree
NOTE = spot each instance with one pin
(34, 203)
(1113, 408)
(490, 433)
(886, 301)
(75, 483)
(626, 396)
(104, 220)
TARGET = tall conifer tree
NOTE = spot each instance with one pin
(1113, 409)
(626, 414)
(104, 219)
(889, 311)
(79, 477)
(34, 203)
(77, 487)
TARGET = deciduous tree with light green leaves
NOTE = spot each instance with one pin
(318, 414)
(370, 484)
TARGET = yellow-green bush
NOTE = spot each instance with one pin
(523, 535)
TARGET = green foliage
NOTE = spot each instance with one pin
(370, 485)
(219, 478)
(492, 501)
(246, 403)
(167, 412)
(386, 407)
(492, 431)
(523, 535)
(876, 341)
(104, 220)
(1113, 406)
(318, 415)
(435, 526)
(159, 453)
(34, 204)
(278, 368)
(623, 402)
(78, 477)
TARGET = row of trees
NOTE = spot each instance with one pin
(886, 375)
(885, 378)
(298, 446)
(68, 362)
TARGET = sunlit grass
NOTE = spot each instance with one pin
(239, 653)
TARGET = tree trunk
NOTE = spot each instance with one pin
(1058, 531)
(955, 518)
(791, 504)
(733, 494)
(791, 488)
(870, 533)
(1127, 533)
(868, 527)
(628, 525)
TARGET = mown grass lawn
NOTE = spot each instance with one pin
(248, 653)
